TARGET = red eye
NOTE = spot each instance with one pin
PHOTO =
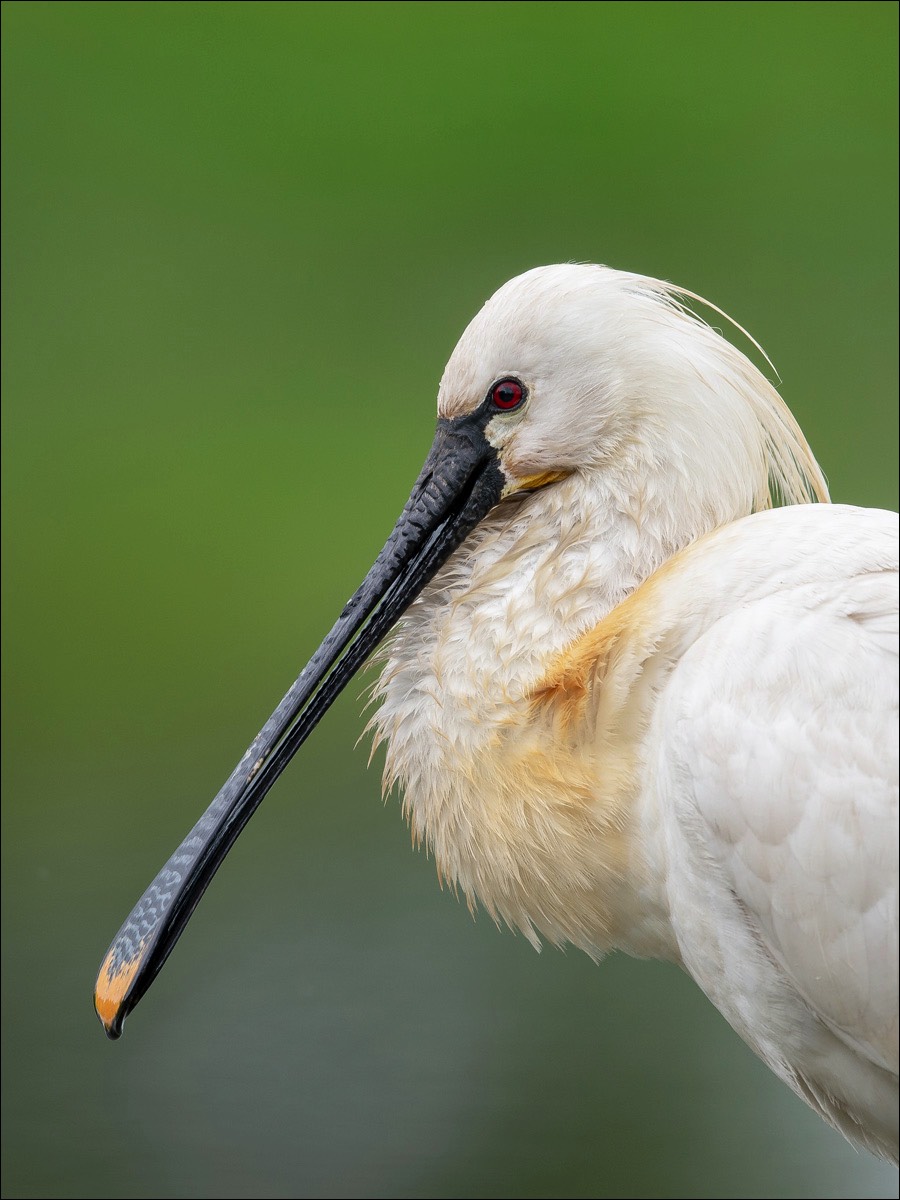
(507, 394)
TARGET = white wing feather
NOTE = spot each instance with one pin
(781, 736)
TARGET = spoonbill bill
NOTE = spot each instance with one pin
(641, 692)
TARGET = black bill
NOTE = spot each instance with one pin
(460, 482)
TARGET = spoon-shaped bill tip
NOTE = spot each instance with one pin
(113, 981)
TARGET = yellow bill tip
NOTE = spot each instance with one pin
(111, 989)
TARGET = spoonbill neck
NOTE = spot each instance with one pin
(482, 785)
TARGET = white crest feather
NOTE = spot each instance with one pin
(795, 476)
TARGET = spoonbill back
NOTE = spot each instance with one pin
(641, 692)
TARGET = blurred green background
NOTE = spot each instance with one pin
(240, 242)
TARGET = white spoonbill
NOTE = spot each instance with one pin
(630, 705)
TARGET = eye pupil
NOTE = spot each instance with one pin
(507, 394)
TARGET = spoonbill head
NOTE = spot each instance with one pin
(628, 706)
